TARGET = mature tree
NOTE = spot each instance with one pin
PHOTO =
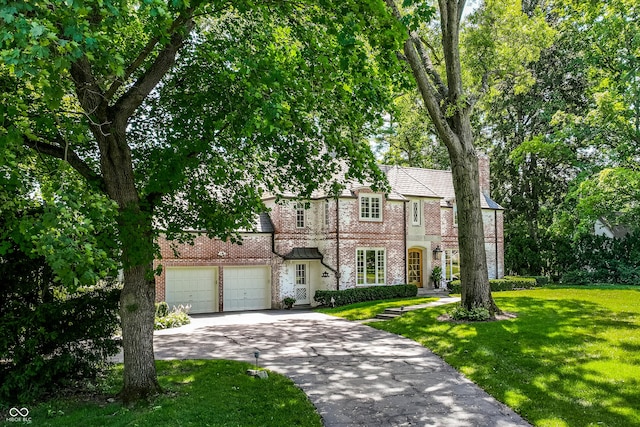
(534, 156)
(611, 128)
(181, 112)
(450, 106)
(409, 139)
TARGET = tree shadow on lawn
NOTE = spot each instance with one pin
(565, 360)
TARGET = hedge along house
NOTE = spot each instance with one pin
(359, 238)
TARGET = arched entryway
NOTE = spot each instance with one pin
(414, 267)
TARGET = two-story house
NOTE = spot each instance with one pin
(359, 238)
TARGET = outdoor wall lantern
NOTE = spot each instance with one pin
(325, 274)
(436, 252)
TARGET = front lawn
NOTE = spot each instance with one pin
(199, 393)
(369, 309)
(570, 358)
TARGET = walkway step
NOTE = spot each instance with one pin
(387, 316)
(440, 292)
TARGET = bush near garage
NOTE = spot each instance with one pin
(509, 283)
(166, 318)
(370, 293)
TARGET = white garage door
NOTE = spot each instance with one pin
(194, 286)
(246, 288)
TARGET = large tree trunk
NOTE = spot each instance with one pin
(137, 311)
(137, 299)
(474, 275)
(450, 110)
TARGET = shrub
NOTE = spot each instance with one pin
(51, 339)
(371, 293)
(541, 280)
(509, 283)
(436, 276)
(288, 302)
(476, 314)
(599, 259)
(178, 316)
(162, 309)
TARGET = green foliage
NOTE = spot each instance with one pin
(574, 349)
(509, 283)
(612, 193)
(369, 309)
(476, 314)
(410, 138)
(165, 319)
(288, 302)
(162, 309)
(436, 275)
(50, 338)
(541, 280)
(58, 313)
(491, 51)
(199, 392)
(599, 259)
(371, 293)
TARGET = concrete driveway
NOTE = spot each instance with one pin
(354, 375)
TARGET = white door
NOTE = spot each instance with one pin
(302, 283)
(194, 286)
(246, 288)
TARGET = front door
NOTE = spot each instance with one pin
(302, 284)
(415, 267)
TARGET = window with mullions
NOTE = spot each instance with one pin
(300, 215)
(371, 207)
(370, 266)
(416, 214)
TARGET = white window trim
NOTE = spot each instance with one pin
(300, 206)
(384, 267)
(370, 196)
(414, 220)
(326, 212)
(455, 214)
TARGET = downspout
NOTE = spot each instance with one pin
(495, 233)
(406, 253)
(337, 273)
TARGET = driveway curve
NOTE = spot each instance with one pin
(355, 375)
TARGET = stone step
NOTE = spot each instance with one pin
(387, 316)
(433, 292)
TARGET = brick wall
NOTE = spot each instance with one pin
(254, 250)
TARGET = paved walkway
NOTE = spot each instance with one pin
(355, 375)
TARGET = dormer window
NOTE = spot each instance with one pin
(370, 207)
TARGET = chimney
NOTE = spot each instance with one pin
(483, 169)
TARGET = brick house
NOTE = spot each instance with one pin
(359, 238)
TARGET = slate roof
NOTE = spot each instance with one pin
(263, 224)
(409, 182)
(419, 182)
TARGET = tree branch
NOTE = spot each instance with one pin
(428, 65)
(60, 151)
(88, 90)
(131, 100)
(142, 56)
(430, 98)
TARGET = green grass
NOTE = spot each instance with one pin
(369, 309)
(570, 358)
(198, 393)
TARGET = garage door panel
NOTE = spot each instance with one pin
(246, 288)
(194, 286)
